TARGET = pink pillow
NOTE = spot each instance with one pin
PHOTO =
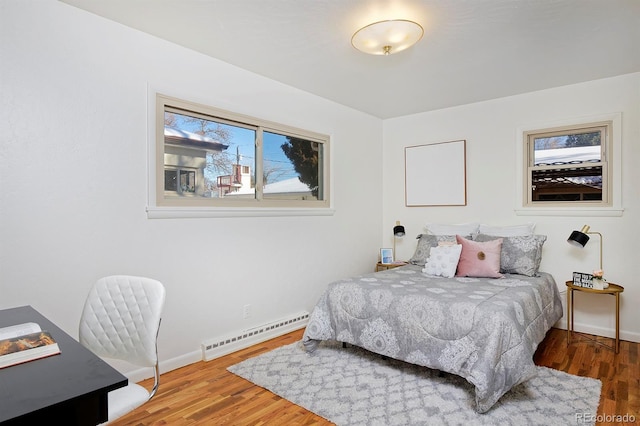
(479, 259)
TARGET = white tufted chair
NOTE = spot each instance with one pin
(121, 320)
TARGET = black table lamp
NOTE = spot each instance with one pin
(580, 239)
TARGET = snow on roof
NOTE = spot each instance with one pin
(566, 155)
(189, 138)
(287, 185)
(292, 185)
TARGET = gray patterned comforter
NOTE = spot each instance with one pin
(485, 330)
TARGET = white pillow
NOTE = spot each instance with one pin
(458, 229)
(443, 261)
(523, 230)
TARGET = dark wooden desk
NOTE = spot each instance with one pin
(68, 389)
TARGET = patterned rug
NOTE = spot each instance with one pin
(351, 386)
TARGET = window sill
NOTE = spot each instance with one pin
(571, 211)
(203, 212)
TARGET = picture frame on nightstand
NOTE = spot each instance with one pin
(386, 256)
(580, 279)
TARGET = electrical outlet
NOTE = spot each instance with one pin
(246, 311)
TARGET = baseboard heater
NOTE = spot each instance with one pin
(220, 346)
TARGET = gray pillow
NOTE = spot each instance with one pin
(520, 254)
(425, 242)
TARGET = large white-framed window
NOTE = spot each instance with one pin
(210, 162)
(571, 167)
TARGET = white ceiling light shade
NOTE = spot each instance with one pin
(387, 37)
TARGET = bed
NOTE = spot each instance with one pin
(482, 328)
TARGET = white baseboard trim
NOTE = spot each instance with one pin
(141, 374)
(180, 361)
(599, 331)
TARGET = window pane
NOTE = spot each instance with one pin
(187, 181)
(568, 148)
(567, 184)
(292, 168)
(220, 157)
(170, 181)
(575, 177)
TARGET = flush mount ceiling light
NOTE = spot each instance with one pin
(387, 37)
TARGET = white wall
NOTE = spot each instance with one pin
(73, 182)
(490, 129)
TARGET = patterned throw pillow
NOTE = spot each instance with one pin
(520, 255)
(425, 243)
(479, 259)
(443, 261)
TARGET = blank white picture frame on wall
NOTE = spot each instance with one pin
(435, 174)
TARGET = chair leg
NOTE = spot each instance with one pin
(156, 368)
(156, 380)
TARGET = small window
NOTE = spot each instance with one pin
(179, 181)
(211, 158)
(568, 166)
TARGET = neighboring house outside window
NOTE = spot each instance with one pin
(239, 178)
(185, 160)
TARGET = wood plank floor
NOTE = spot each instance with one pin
(204, 393)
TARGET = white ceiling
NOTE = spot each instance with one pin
(472, 50)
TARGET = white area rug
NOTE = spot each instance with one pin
(351, 386)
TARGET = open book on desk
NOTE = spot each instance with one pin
(25, 342)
